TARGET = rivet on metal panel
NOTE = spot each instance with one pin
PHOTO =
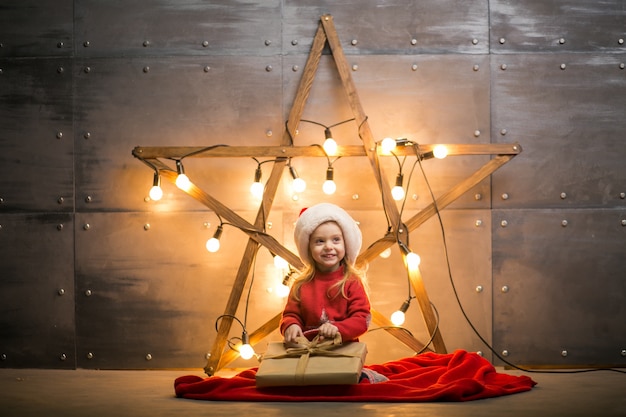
(294, 42)
(476, 67)
(3, 357)
(621, 66)
(354, 42)
(474, 41)
(59, 135)
(479, 288)
(504, 223)
(503, 132)
(268, 68)
(563, 66)
(148, 357)
(0, 71)
(269, 225)
(415, 197)
(86, 44)
(146, 226)
(88, 293)
(60, 200)
(476, 133)
(61, 291)
(505, 353)
(478, 196)
(87, 70)
(89, 355)
(205, 43)
(268, 42)
(563, 196)
(564, 223)
(504, 289)
(478, 223)
(414, 67)
(479, 352)
(207, 355)
(88, 199)
(59, 44)
(564, 353)
(562, 41)
(622, 195)
(59, 227)
(295, 68)
(87, 135)
(207, 68)
(146, 69)
(503, 67)
(623, 352)
(146, 44)
(504, 196)
(502, 41)
(63, 357)
(269, 133)
(413, 41)
(620, 41)
(355, 67)
(86, 226)
(623, 222)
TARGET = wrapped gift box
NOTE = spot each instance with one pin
(324, 365)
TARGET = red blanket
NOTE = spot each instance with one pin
(458, 376)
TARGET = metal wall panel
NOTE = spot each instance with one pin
(396, 27)
(182, 27)
(123, 103)
(36, 28)
(559, 286)
(37, 290)
(557, 26)
(36, 162)
(567, 112)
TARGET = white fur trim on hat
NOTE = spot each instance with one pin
(322, 213)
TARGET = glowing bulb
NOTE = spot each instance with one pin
(329, 187)
(156, 193)
(213, 245)
(397, 318)
(413, 260)
(282, 290)
(397, 193)
(257, 190)
(280, 263)
(330, 146)
(440, 151)
(299, 185)
(246, 351)
(386, 253)
(387, 145)
(182, 182)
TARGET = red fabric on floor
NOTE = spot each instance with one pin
(458, 376)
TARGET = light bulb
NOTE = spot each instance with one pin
(280, 263)
(156, 193)
(257, 190)
(245, 350)
(182, 182)
(282, 290)
(213, 244)
(330, 146)
(299, 185)
(397, 318)
(413, 260)
(329, 187)
(387, 145)
(397, 193)
(440, 151)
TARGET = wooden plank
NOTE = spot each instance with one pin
(431, 321)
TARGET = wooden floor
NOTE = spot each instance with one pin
(51, 393)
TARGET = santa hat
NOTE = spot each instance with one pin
(315, 215)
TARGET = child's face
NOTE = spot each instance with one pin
(327, 246)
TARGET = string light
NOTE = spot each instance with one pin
(397, 192)
(257, 187)
(299, 185)
(330, 145)
(329, 187)
(213, 244)
(156, 193)
(387, 145)
(398, 316)
(440, 151)
(182, 181)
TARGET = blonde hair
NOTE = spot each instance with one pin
(349, 272)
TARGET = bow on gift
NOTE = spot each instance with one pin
(304, 349)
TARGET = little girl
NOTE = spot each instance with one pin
(330, 296)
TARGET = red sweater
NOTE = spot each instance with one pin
(318, 305)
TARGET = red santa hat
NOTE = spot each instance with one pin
(310, 218)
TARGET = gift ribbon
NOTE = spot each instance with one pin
(304, 349)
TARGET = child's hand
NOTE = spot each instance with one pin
(327, 330)
(292, 332)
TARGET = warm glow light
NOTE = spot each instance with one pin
(440, 151)
(329, 187)
(413, 260)
(282, 290)
(299, 185)
(213, 245)
(156, 193)
(397, 318)
(387, 145)
(257, 190)
(182, 182)
(330, 146)
(397, 193)
(246, 351)
(280, 263)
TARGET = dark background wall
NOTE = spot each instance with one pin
(95, 275)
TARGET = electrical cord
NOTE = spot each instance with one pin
(466, 317)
